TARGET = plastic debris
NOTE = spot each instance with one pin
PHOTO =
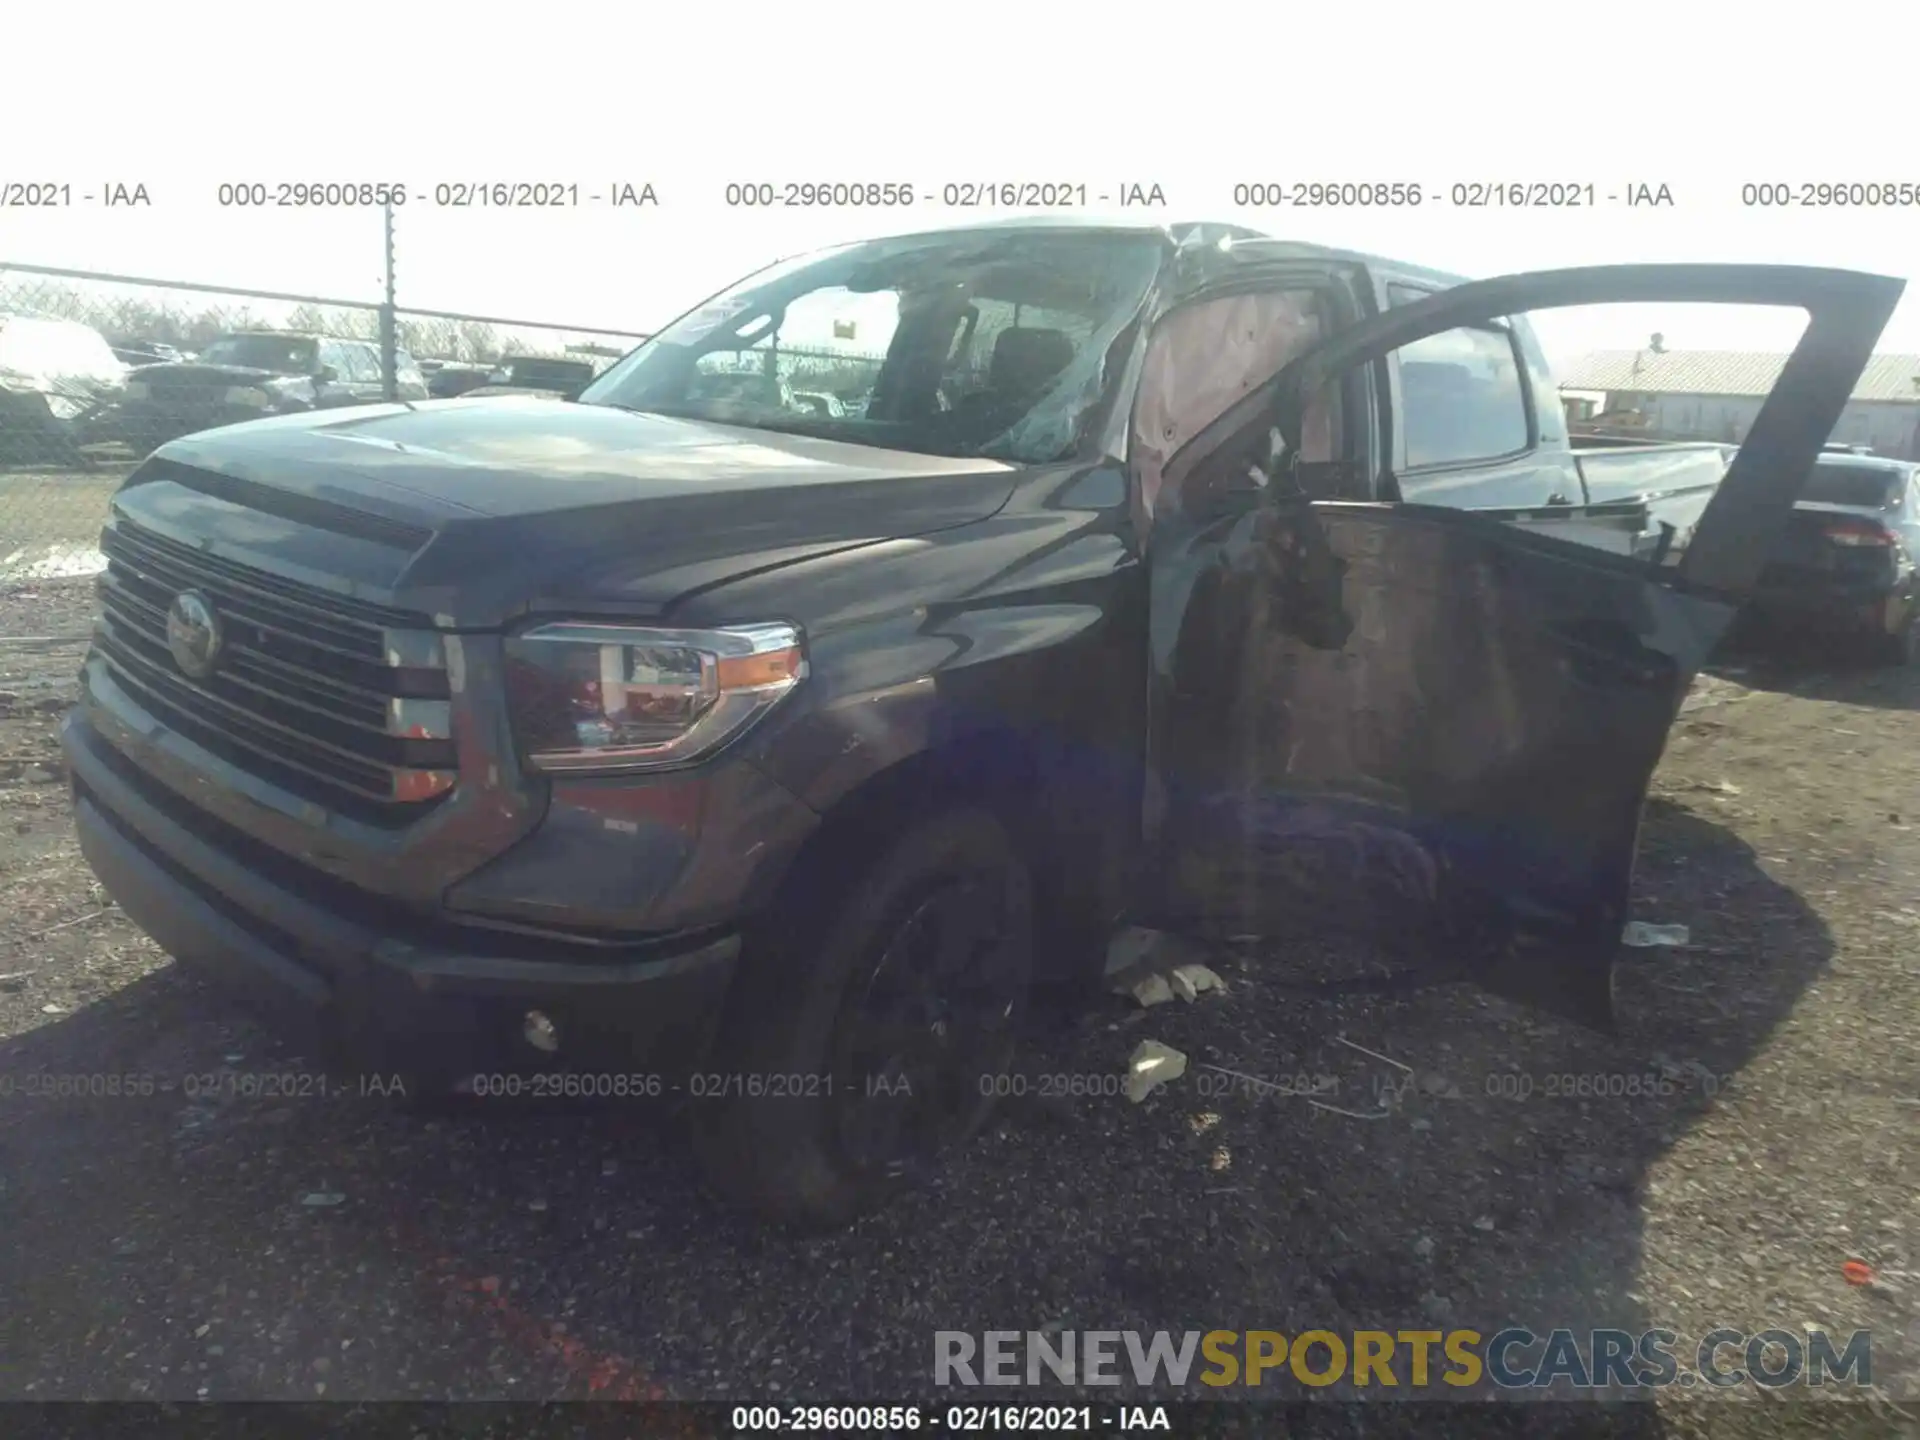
(1857, 1272)
(1149, 990)
(1129, 948)
(324, 1199)
(1642, 936)
(1484, 1223)
(1152, 1066)
(1191, 981)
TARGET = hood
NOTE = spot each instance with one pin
(193, 372)
(479, 511)
(73, 386)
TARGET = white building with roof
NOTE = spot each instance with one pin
(1714, 395)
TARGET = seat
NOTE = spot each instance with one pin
(1025, 364)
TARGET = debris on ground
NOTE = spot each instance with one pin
(323, 1199)
(1148, 990)
(1643, 936)
(1857, 1272)
(1189, 982)
(1152, 1066)
(1152, 967)
(1129, 948)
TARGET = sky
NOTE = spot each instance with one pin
(1194, 101)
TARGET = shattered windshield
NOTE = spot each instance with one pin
(946, 345)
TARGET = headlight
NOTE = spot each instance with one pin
(250, 396)
(614, 697)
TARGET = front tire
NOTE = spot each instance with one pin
(873, 1030)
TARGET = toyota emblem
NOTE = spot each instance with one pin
(193, 634)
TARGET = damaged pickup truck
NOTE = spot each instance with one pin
(683, 740)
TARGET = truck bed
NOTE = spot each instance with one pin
(1664, 488)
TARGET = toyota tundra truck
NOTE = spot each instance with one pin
(1171, 577)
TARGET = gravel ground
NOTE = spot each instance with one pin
(173, 1245)
(48, 521)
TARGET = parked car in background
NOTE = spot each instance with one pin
(538, 375)
(250, 374)
(451, 378)
(57, 379)
(1845, 567)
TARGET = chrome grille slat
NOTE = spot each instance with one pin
(170, 575)
(357, 671)
(371, 781)
(351, 704)
(328, 697)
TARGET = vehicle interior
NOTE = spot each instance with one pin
(971, 347)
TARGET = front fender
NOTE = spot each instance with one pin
(985, 681)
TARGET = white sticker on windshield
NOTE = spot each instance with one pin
(707, 319)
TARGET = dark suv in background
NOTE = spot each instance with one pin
(251, 374)
(1845, 567)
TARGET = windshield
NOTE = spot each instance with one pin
(287, 354)
(959, 344)
(562, 372)
(1867, 486)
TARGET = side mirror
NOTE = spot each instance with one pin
(325, 374)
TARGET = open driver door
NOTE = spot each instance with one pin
(1384, 729)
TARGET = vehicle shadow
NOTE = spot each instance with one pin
(538, 1252)
(1492, 1166)
(1817, 669)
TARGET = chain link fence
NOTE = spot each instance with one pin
(96, 371)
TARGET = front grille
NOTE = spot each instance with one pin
(341, 702)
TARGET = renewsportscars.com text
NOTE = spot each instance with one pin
(1512, 1359)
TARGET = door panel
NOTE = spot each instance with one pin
(1418, 732)
(1400, 730)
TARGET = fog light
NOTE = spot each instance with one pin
(541, 1032)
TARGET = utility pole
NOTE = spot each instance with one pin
(389, 325)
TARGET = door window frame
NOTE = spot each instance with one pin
(1394, 289)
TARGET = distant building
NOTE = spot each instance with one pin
(1714, 395)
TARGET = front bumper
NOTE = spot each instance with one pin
(444, 1000)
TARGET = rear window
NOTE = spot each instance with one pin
(1868, 486)
(282, 354)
